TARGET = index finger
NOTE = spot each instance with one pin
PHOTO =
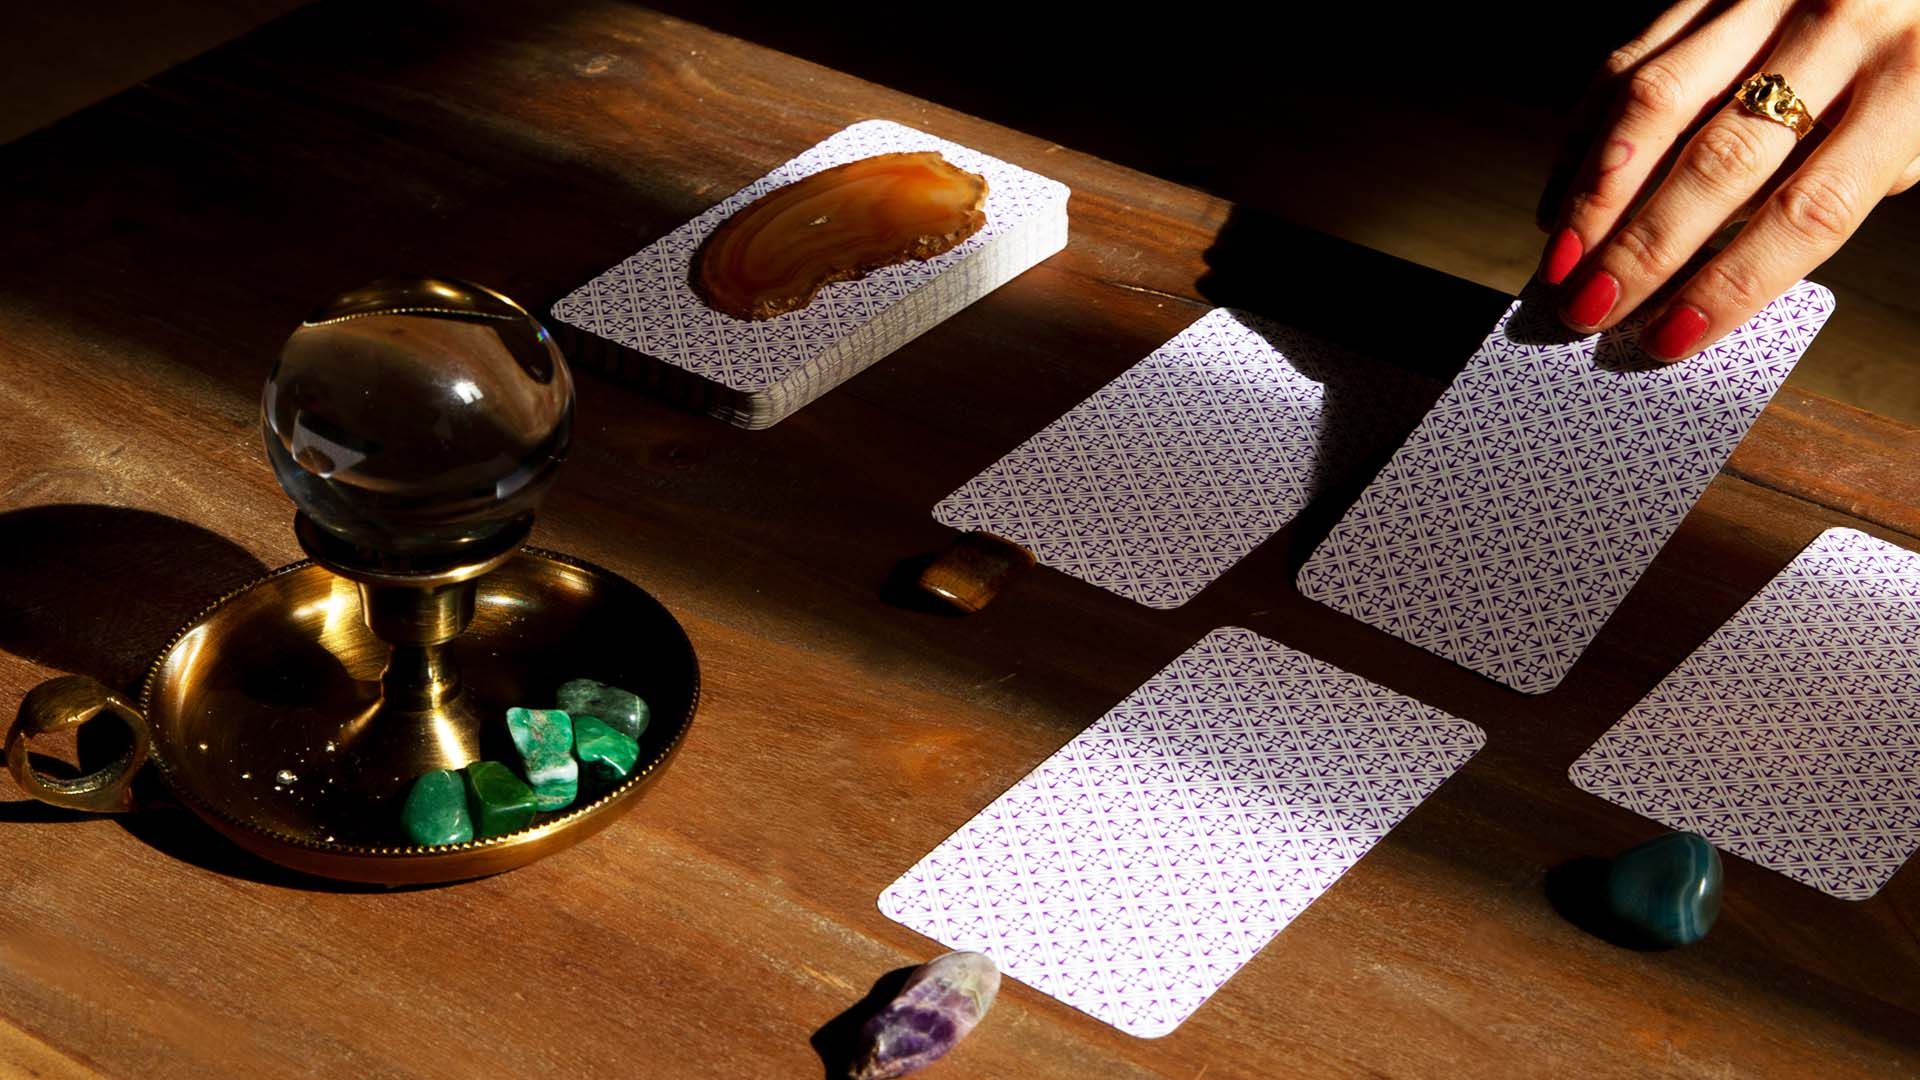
(1663, 96)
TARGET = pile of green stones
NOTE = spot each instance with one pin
(594, 732)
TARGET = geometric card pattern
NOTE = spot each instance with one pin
(647, 304)
(1134, 871)
(1512, 522)
(1792, 736)
(1167, 476)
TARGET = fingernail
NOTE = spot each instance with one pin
(1674, 334)
(1593, 300)
(1563, 251)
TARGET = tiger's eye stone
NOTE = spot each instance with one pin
(607, 755)
(501, 802)
(1667, 890)
(617, 708)
(436, 810)
(544, 738)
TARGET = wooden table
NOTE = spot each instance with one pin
(160, 246)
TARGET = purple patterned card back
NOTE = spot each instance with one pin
(1134, 871)
(1173, 472)
(1791, 737)
(1512, 522)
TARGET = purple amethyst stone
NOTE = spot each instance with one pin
(939, 1004)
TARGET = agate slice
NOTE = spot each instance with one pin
(774, 254)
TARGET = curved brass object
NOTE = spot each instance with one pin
(64, 703)
(269, 715)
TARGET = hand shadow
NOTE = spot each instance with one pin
(1400, 313)
(838, 1040)
(1537, 322)
(1383, 336)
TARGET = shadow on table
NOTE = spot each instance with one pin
(99, 591)
(1383, 336)
(838, 1040)
(1577, 889)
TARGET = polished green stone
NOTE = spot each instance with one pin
(617, 708)
(544, 738)
(1667, 890)
(501, 802)
(605, 753)
(436, 810)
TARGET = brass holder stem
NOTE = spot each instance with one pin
(416, 609)
(417, 623)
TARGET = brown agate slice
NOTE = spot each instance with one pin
(775, 253)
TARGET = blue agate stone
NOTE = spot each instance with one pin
(1667, 890)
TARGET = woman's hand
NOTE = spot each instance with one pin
(1856, 66)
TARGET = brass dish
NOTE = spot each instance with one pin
(260, 715)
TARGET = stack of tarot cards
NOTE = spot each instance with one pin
(643, 320)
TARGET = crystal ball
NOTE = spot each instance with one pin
(417, 417)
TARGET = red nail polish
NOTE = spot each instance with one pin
(1674, 334)
(1593, 300)
(1563, 252)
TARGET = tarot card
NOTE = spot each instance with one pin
(1512, 522)
(1134, 871)
(1791, 737)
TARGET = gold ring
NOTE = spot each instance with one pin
(1766, 94)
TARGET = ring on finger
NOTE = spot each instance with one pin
(1766, 94)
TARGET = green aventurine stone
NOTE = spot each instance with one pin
(436, 810)
(622, 711)
(1667, 890)
(501, 802)
(544, 738)
(604, 752)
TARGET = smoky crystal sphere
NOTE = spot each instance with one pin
(417, 418)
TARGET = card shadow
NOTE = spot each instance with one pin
(838, 1040)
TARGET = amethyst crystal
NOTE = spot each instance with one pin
(942, 1000)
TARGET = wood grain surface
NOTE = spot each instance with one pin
(161, 245)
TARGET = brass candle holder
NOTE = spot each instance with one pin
(416, 423)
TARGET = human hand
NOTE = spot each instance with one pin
(1855, 65)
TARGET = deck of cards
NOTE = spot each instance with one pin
(642, 319)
